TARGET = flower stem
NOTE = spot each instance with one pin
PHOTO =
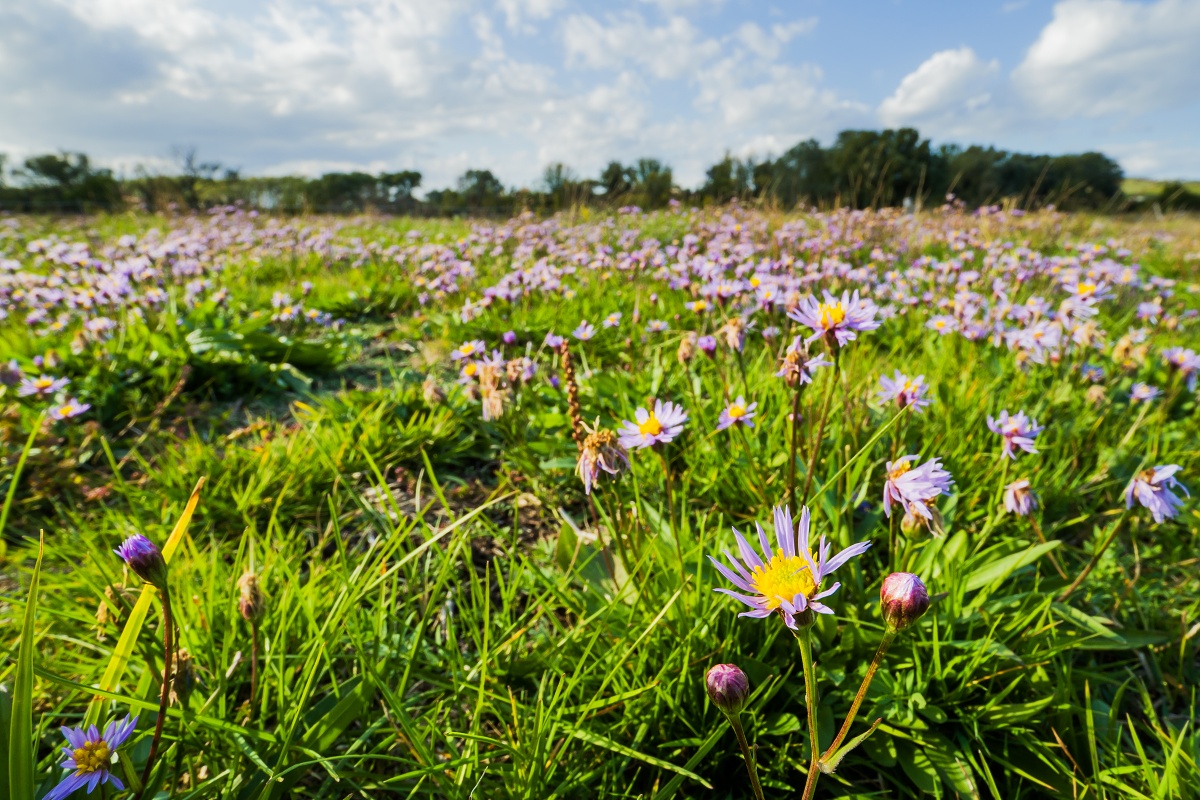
(253, 664)
(165, 697)
(816, 444)
(862, 693)
(804, 637)
(747, 756)
(671, 516)
(1037, 529)
(1095, 559)
(795, 436)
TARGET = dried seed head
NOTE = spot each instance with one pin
(432, 393)
(251, 602)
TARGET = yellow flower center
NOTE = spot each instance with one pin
(651, 427)
(736, 411)
(43, 383)
(909, 387)
(92, 757)
(469, 369)
(900, 469)
(783, 576)
(1086, 289)
(941, 323)
(831, 314)
(467, 349)
(755, 281)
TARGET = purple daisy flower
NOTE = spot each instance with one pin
(509, 337)
(837, 320)
(90, 754)
(469, 349)
(736, 413)
(1143, 393)
(662, 424)
(42, 386)
(553, 340)
(708, 344)
(913, 487)
(613, 320)
(1152, 488)
(1018, 430)
(585, 331)
(786, 580)
(1019, 499)
(904, 391)
(656, 326)
(71, 408)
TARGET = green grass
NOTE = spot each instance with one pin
(447, 615)
(1143, 186)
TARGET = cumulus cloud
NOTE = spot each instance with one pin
(949, 85)
(1099, 57)
(671, 50)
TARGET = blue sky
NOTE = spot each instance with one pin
(305, 86)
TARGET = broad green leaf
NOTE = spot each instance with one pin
(1003, 567)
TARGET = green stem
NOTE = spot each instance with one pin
(165, 697)
(671, 517)
(747, 756)
(862, 693)
(804, 637)
(795, 437)
(1095, 559)
(816, 444)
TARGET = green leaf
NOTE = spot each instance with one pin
(20, 731)
(1003, 567)
(953, 768)
(921, 771)
(629, 752)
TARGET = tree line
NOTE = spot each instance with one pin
(860, 169)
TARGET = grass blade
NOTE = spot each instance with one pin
(20, 732)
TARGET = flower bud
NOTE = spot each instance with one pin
(250, 602)
(728, 688)
(687, 349)
(903, 598)
(185, 678)
(144, 558)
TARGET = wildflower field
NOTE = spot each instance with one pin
(655, 505)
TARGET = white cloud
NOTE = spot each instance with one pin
(517, 13)
(950, 83)
(769, 45)
(1099, 57)
(669, 51)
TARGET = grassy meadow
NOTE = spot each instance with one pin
(373, 420)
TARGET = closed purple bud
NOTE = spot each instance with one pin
(145, 559)
(903, 599)
(509, 337)
(728, 688)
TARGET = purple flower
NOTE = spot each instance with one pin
(1185, 362)
(1143, 393)
(786, 580)
(943, 324)
(469, 349)
(42, 386)
(585, 331)
(737, 412)
(662, 424)
(903, 599)
(71, 408)
(10, 373)
(904, 391)
(913, 487)
(509, 337)
(1152, 488)
(145, 559)
(656, 326)
(612, 320)
(1019, 499)
(553, 340)
(1018, 430)
(837, 320)
(90, 754)
(708, 344)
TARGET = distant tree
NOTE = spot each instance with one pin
(728, 178)
(479, 188)
(616, 180)
(68, 182)
(653, 182)
(399, 186)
